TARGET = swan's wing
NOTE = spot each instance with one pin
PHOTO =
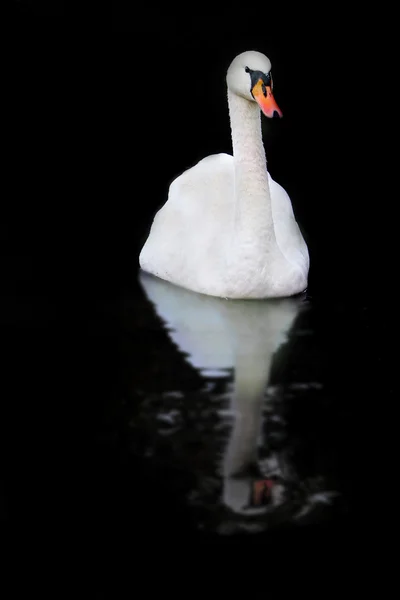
(288, 235)
(186, 244)
(209, 184)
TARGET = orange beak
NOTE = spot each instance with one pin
(264, 97)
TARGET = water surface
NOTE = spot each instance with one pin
(228, 415)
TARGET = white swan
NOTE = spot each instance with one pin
(228, 229)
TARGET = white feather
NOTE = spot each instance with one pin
(228, 229)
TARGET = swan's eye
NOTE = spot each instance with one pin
(247, 69)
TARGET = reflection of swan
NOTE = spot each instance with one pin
(217, 335)
(228, 228)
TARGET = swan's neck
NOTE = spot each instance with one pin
(253, 211)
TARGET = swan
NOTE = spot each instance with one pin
(227, 228)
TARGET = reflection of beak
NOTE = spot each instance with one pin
(264, 97)
(262, 491)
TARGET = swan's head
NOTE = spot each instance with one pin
(249, 76)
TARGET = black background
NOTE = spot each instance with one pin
(169, 103)
(116, 111)
(103, 111)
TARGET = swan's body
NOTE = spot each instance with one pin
(227, 229)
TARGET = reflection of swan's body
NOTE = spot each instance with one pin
(240, 335)
(227, 229)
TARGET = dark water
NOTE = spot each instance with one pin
(209, 401)
(232, 396)
(135, 410)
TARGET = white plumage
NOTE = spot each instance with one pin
(228, 229)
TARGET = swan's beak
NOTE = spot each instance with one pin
(264, 97)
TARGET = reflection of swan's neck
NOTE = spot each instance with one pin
(251, 378)
(253, 212)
